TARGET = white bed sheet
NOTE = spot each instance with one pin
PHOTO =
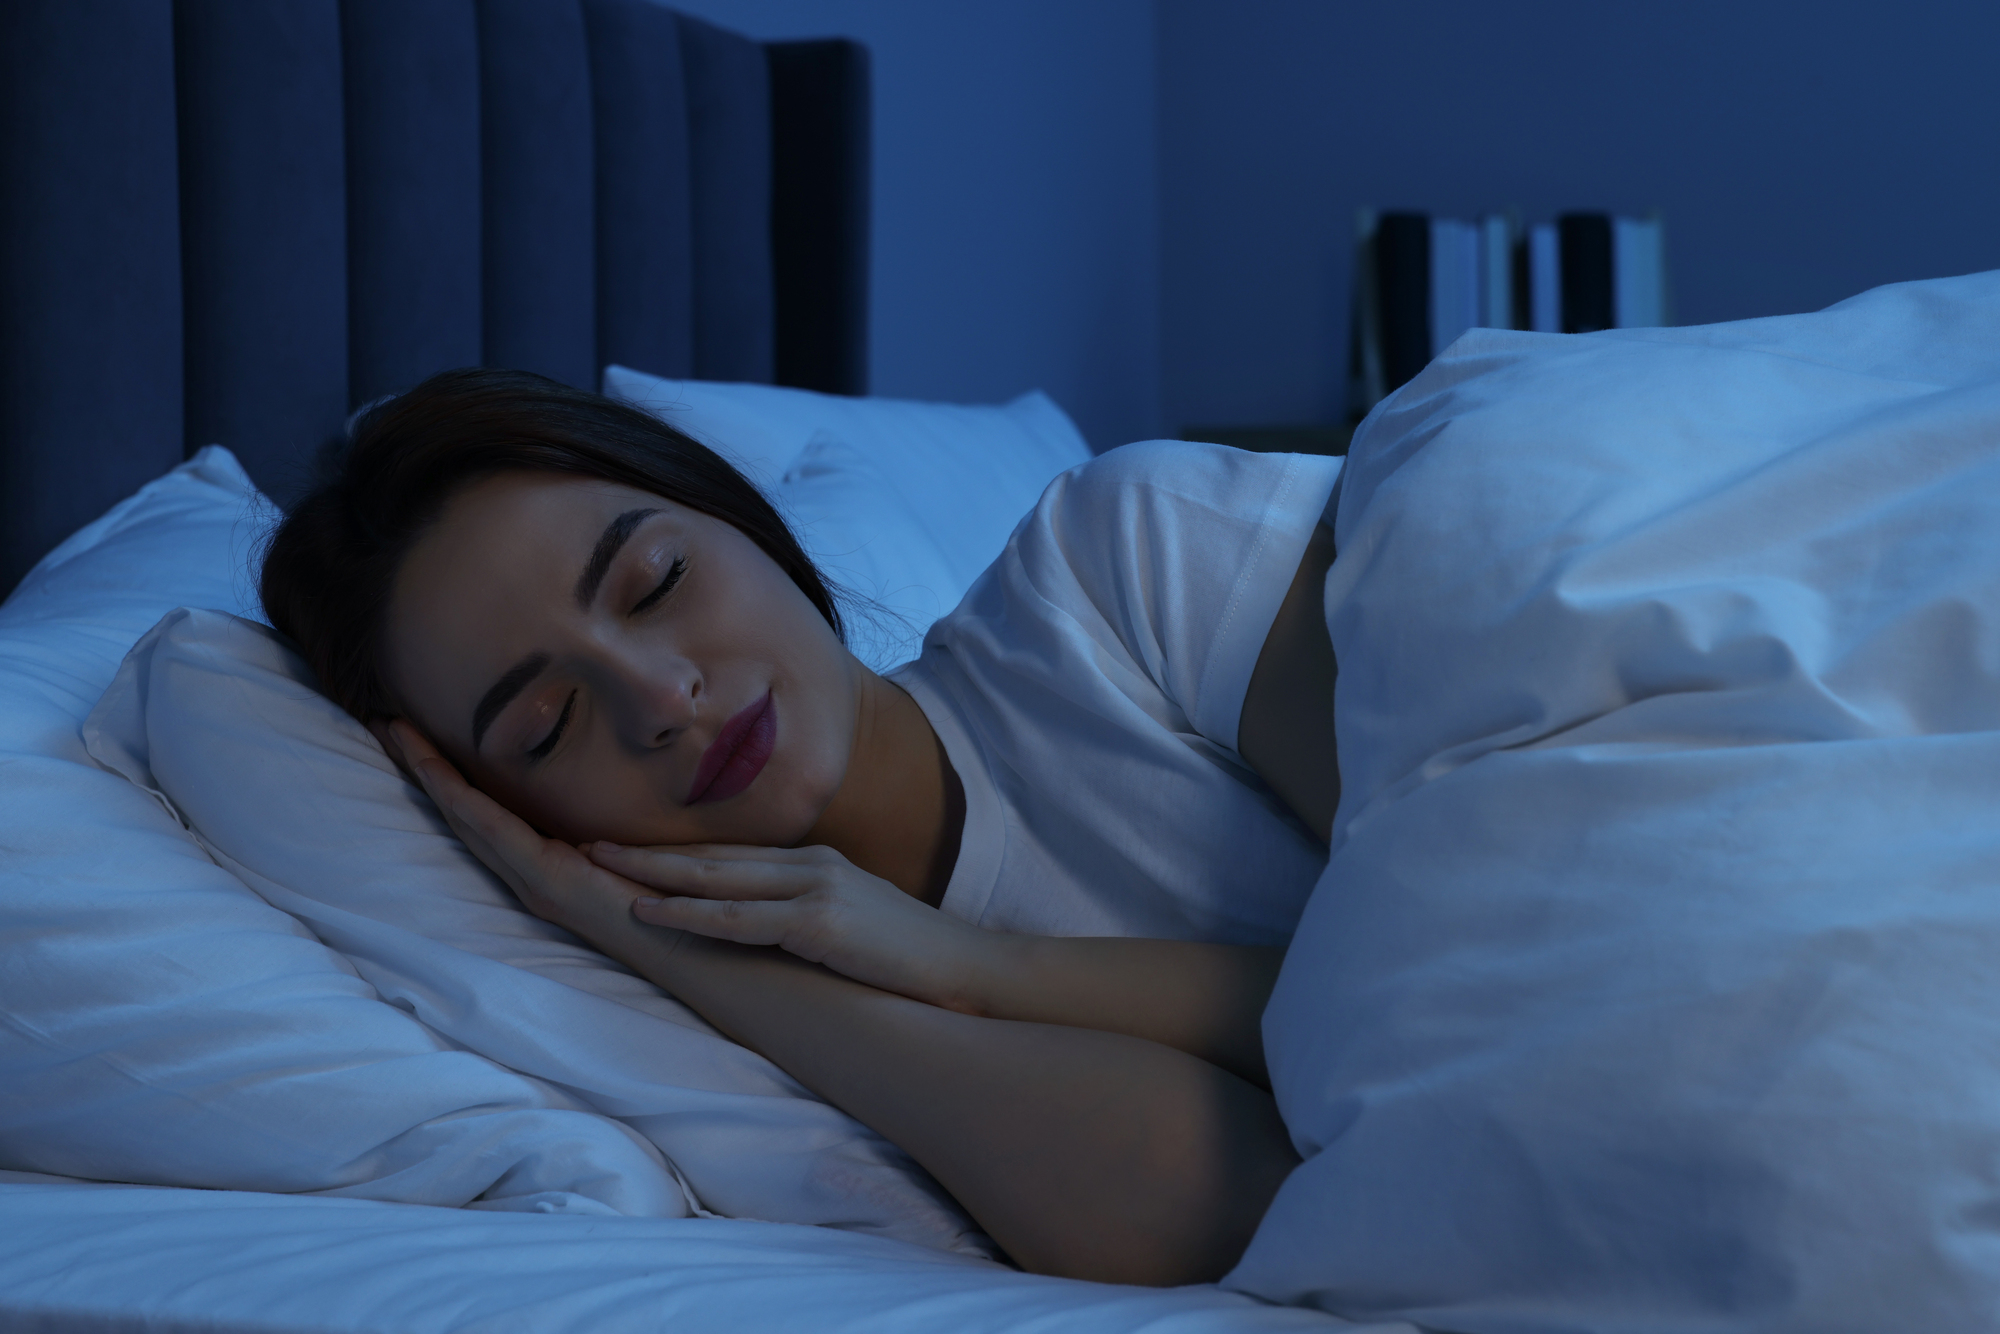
(82, 1258)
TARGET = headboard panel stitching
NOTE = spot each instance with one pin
(233, 221)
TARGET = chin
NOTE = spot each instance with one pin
(763, 829)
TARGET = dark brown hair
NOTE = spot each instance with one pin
(331, 564)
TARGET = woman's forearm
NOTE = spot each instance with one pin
(1083, 1153)
(1204, 999)
(1087, 1153)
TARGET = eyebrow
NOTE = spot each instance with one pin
(503, 692)
(608, 542)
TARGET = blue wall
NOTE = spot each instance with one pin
(1146, 206)
(1016, 220)
(1800, 153)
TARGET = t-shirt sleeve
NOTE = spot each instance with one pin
(1175, 557)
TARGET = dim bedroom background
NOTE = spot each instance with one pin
(1648, 985)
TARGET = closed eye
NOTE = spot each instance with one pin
(548, 744)
(666, 586)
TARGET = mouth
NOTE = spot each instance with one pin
(737, 755)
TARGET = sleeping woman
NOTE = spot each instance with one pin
(1018, 905)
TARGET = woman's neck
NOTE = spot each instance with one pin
(900, 809)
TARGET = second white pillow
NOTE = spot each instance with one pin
(959, 475)
(220, 718)
(898, 578)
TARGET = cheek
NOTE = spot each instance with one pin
(625, 801)
(601, 790)
(816, 743)
(622, 801)
(584, 797)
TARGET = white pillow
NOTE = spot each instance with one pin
(762, 428)
(1654, 982)
(961, 475)
(158, 1022)
(214, 713)
(899, 578)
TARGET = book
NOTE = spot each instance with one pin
(1421, 281)
(1638, 273)
(1542, 254)
(1496, 273)
(1403, 295)
(1584, 259)
(1365, 377)
(1455, 248)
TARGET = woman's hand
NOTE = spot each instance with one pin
(552, 880)
(810, 902)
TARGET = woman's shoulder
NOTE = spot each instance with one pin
(1200, 498)
(1146, 539)
(1170, 469)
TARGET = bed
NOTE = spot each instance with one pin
(229, 225)
(1649, 983)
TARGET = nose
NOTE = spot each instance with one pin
(665, 696)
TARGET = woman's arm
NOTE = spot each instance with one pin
(1203, 999)
(1285, 731)
(1082, 1153)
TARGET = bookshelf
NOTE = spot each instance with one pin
(1421, 281)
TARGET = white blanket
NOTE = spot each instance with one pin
(1654, 982)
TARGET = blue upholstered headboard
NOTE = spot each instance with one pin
(236, 220)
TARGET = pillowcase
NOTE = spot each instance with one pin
(1652, 982)
(913, 500)
(892, 576)
(161, 1024)
(218, 717)
(953, 447)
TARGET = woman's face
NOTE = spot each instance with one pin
(608, 664)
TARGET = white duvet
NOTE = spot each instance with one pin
(1654, 981)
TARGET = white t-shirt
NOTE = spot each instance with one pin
(1087, 692)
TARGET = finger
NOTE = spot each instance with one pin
(742, 852)
(413, 739)
(512, 847)
(384, 731)
(549, 878)
(444, 786)
(678, 872)
(436, 775)
(751, 923)
(503, 866)
(385, 737)
(707, 877)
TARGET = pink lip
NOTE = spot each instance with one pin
(737, 755)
